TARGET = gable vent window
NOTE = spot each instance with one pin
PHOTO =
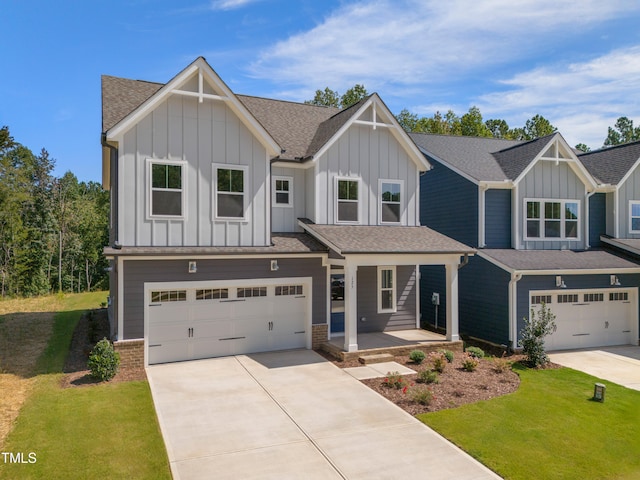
(347, 200)
(167, 189)
(539, 299)
(230, 194)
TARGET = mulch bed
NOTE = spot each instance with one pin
(92, 327)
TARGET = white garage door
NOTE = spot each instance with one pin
(590, 318)
(187, 322)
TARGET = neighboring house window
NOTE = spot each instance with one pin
(390, 201)
(230, 195)
(347, 208)
(167, 189)
(386, 289)
(283, 191)
(551, 219)
(634, 217)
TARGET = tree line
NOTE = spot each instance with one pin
(472, 124)
(52, 230)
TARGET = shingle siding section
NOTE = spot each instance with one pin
(449, 204)
(498, 218)
(597, 218)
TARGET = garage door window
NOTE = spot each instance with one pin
(618, 296)
(594, 297)
(538, 299)
(568, 298)
(252, 292)
(212, 293)
(162, 296)
(288, 290)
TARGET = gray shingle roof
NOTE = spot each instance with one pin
(283, 243)
(610, 165)
(120, 96)
(558, 259)
(514, 160)
(471, 155)
(350, 239)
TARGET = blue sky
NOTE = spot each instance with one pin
(575, 62)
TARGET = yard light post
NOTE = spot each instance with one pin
(598, 392)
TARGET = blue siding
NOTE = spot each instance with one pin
(597, 218)
(548, 282)
(497, 204)
(449, 204)
(433, 280)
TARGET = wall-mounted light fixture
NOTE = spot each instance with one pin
(614, 280)
(559, 282)
(274, 265)
(193, 267)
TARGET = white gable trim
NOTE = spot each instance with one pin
(391, 123)
(204, 71)
(628, 174)
(573, 161)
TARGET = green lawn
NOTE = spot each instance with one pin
(103, 431)
(550, 429)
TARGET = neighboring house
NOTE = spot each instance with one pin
(231, 213)
(537, 213)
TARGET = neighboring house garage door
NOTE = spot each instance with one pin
(590, 318)
(188, 321)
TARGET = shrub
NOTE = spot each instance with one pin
(427, 376)
(532, 335)
(469, 364)
(103, 361)
(448, 354)
(416, 356)
(394, 380)
(476, 352)
(438, 360)
(423, 396)
(501, 365)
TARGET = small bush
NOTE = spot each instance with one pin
(501, 365)
(395, 380)
(438, 360)
(423, 396)
(536, 328)
(476, 352)
(416, 356)
(469, 364)
(103, 361)
(448, 354)
(427, 376)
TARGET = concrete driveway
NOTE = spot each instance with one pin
(619, 365)
(292, 415)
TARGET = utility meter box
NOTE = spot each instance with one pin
(435, 298)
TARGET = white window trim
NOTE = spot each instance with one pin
(274, 192)
(179, 163)
(245, 193)
(542, 238)
(380, 202)
(631, 216)
(393, 289)
(359, 201)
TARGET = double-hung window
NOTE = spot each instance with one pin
(386, 289)
(634, 216)
(390, 201)
(230, 192)
(282, 191)
(166, 196)
(551, 219)
(347, 200)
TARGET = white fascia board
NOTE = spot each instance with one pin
(187, 257)
(496, 185)
(297, 165)
(449, 166)
(390, 259)
(199, 65)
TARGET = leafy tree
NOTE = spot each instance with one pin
(499, 128)
(471, 124)
(536, 328)
(622, 132)
(407, 120)
(536, 127)
(325, 98)
(353, 95)
(582, 147)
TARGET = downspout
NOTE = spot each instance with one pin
(588, 195)
(481, 215)
(513, 310)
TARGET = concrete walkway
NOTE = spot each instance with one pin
(619, 365)
(292, 415)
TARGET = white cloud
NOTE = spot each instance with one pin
(230, 4)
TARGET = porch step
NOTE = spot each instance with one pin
(376, 358)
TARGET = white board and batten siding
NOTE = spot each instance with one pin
(285, 218)
(554, 181)
(628, 191)
(370, 155)
(199, 134)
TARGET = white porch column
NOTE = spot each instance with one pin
(452, 302)
(350, 307)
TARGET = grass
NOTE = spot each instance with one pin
(103, 431)
(550, 426)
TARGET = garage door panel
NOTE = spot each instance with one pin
(168, 351)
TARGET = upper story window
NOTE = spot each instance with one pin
(634, 216)
(390, 201)
(552, 219)
(230, 196)
(282, 191)
(166, 196)
(347, 200)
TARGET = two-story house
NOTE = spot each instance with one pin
(537, 213)
(231, 213)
